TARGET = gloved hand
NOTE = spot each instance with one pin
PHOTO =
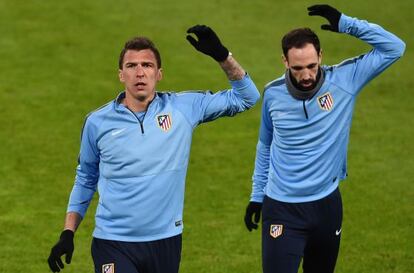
(63, 246)
(253, 209)
(208, 42)
(330, 13)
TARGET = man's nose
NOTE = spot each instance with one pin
(139, 71)
(307, 74)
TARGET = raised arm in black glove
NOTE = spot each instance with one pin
(253, 209)
(63, 246)
(208, 42)
(330, 13)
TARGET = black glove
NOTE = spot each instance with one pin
(330, 13)
(208, 42)
(64, 246)
(254, 208)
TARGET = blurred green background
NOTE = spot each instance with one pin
(58, 62)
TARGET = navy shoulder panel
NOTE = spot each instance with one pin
(166, 92)
(194, 92)
(275, 83)
(350, 60)
(103, 109)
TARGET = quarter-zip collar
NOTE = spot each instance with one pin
(304, 94)
(121, 96)
(120, 107)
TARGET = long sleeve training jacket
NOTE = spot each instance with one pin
(139, 167)
(302, 148)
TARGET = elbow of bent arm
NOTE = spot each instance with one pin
(252, 100)
(257, 97)
(244, 93)
(401, 48)
(398, 49)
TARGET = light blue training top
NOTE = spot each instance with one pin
(302, 148)
(139, 168)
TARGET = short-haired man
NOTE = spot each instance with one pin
(302, 147)
(134, 151)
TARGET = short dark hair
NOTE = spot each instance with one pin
(298, 38)
(139, 43)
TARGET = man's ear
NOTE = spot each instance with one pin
(320, 56)
(121, 75)
(285, 61)
(159, 74)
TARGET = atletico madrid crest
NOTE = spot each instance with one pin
(326, 101)
(164, 122)
(108, 268)
(276, 230)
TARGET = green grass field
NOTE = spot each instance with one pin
(58, 61)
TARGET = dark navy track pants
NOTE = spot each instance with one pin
(294, 231)
(161, 256)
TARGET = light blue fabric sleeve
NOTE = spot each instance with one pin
(387, 48)
(261, 168)
(199, 107)
(87, 171)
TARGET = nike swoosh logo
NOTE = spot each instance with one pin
(337, 232)
(280, 114)
(117, 132)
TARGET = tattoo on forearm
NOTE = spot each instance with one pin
(233, 69)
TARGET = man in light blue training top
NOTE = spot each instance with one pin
(302, 147)
(135, 150)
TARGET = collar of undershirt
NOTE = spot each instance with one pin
(303, 94)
